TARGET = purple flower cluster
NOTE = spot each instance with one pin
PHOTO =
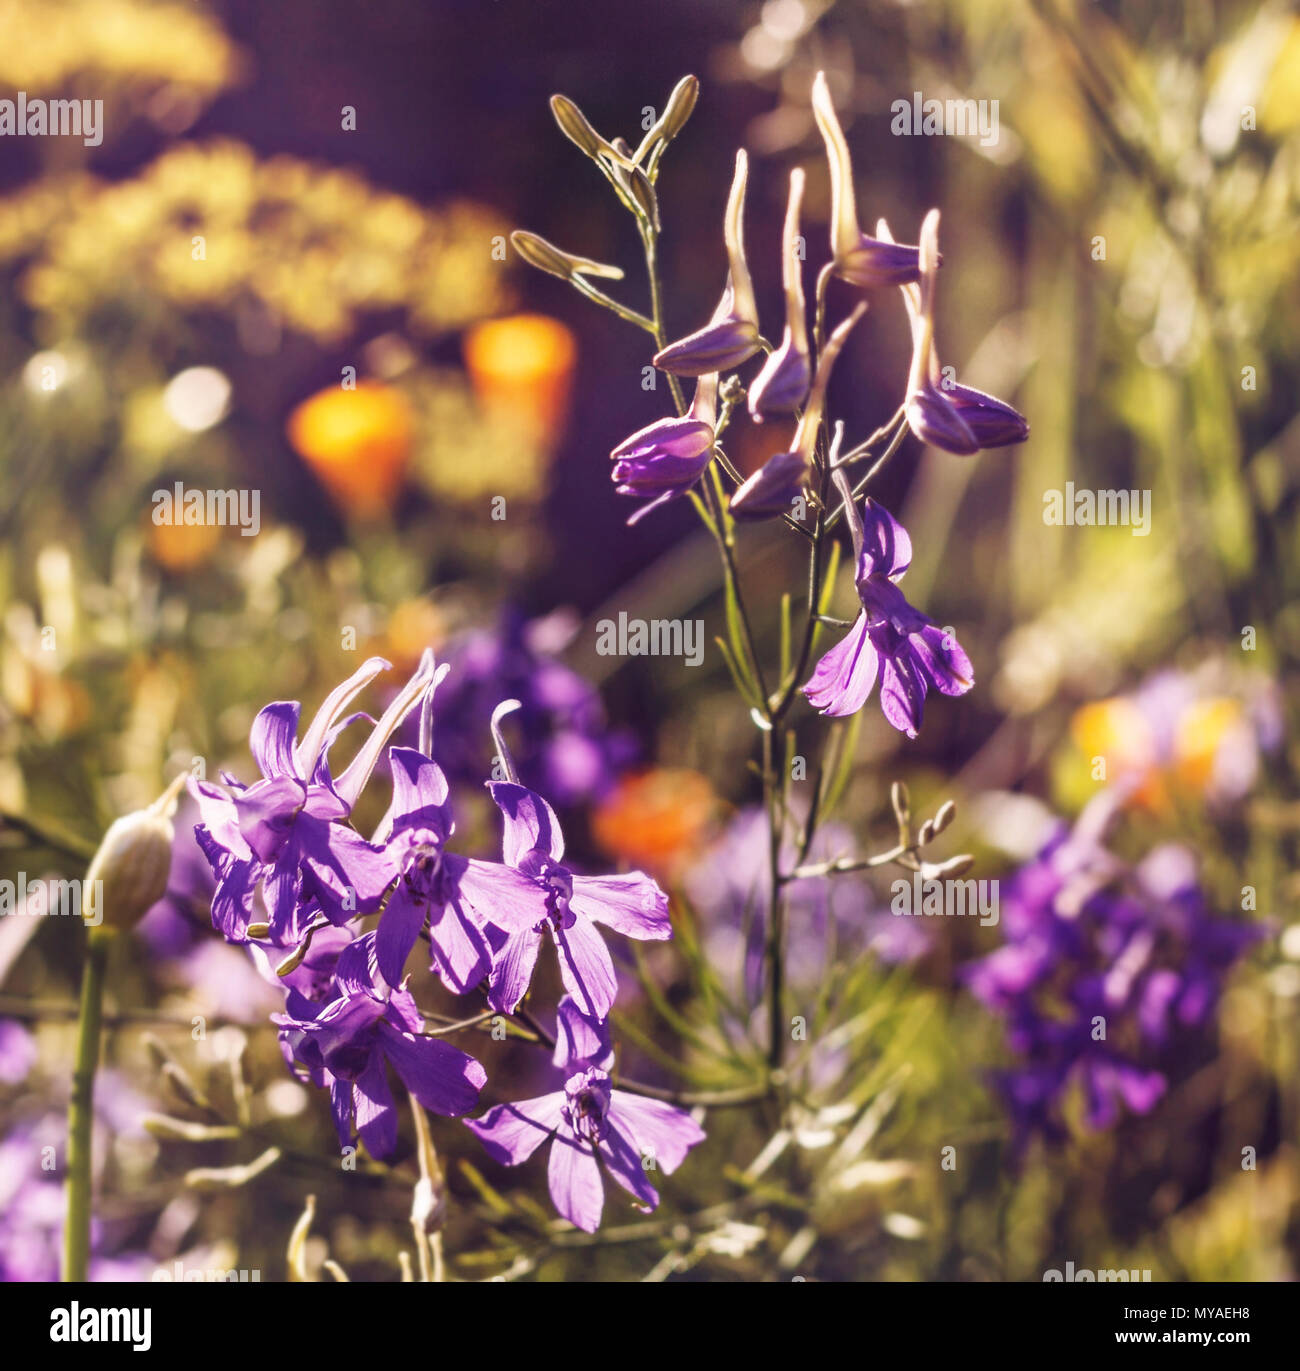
(1105, 969)
(295, 880)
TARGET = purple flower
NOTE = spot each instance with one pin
(461, 900)
(590, 1125)
(632, 905)
(283, 833)
(664, 460)
(349, 1041)
(782, 386)
(731, 336)
(889, 639)
(956, 418)
(863, 261)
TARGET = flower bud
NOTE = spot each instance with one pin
(128, 875)
(537, 252)
(772, 489)
(573, 124)
(681, 104)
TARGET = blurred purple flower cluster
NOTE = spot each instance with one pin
(1106, 969)
(564, 747)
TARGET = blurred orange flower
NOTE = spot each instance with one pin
(357, 442)
(657, 819)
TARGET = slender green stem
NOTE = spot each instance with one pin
(81, 1107)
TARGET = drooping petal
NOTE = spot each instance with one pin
(586, 968)
(655, 1128)
(511, 1133)
(347, 870)
(341, 1108)
(512, 969)
(902, 692)
(574, 1176)
(624, 1162)
(458, 947)
(843, 680)
(399, 927)
(943, 660)
(266, 812)
(632, 905)
(376, 1111)
(442, 1078)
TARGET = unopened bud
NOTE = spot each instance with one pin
(901, 801)
(573, 124)
(128, 874)
(537, 252)
(926, 834)
(947, 813)
(681, 105)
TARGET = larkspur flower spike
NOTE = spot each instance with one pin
(956, 418)
(731, 336)
(862, 261)
(782, 386)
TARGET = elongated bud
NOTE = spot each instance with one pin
(575, 127)
(128, 874)
(680, 106)
(537, 252)
(901, 802)
(947, 813)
